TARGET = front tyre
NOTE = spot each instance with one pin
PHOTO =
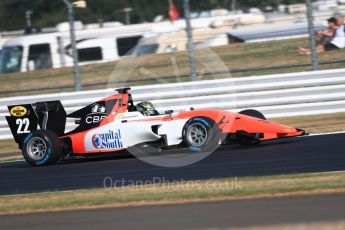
(41, 148)
(201, 134)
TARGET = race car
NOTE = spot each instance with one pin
(116, 123)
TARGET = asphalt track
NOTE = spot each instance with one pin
(322, 153)
(204, 215)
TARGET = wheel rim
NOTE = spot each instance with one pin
(36, 148)
(197, 134)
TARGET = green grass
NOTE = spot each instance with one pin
(176, 192)
(317, 123)
(234, 56)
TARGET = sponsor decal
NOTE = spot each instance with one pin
(97, 141)
(98, 108)
(95, 119)
(126, 116)
(18, 111)
(98, 113)
(108, 140)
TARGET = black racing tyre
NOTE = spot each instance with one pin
(253, 113)
(41, 148)
(201, 134)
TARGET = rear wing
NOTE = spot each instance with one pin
(26, 118)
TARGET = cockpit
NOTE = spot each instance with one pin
(145, 107)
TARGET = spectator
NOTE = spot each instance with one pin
(326, 36)
(339, 38)
(330, 39)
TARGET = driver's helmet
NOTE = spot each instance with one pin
(146, 108)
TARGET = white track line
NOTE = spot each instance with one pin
(323, 134)
(14, 161)
(330, 172)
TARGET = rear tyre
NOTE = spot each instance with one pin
(41, 148)
(201, 134)
(253, 113)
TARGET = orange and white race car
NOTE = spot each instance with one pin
(115, 123)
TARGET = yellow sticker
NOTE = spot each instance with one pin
(18, 111)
